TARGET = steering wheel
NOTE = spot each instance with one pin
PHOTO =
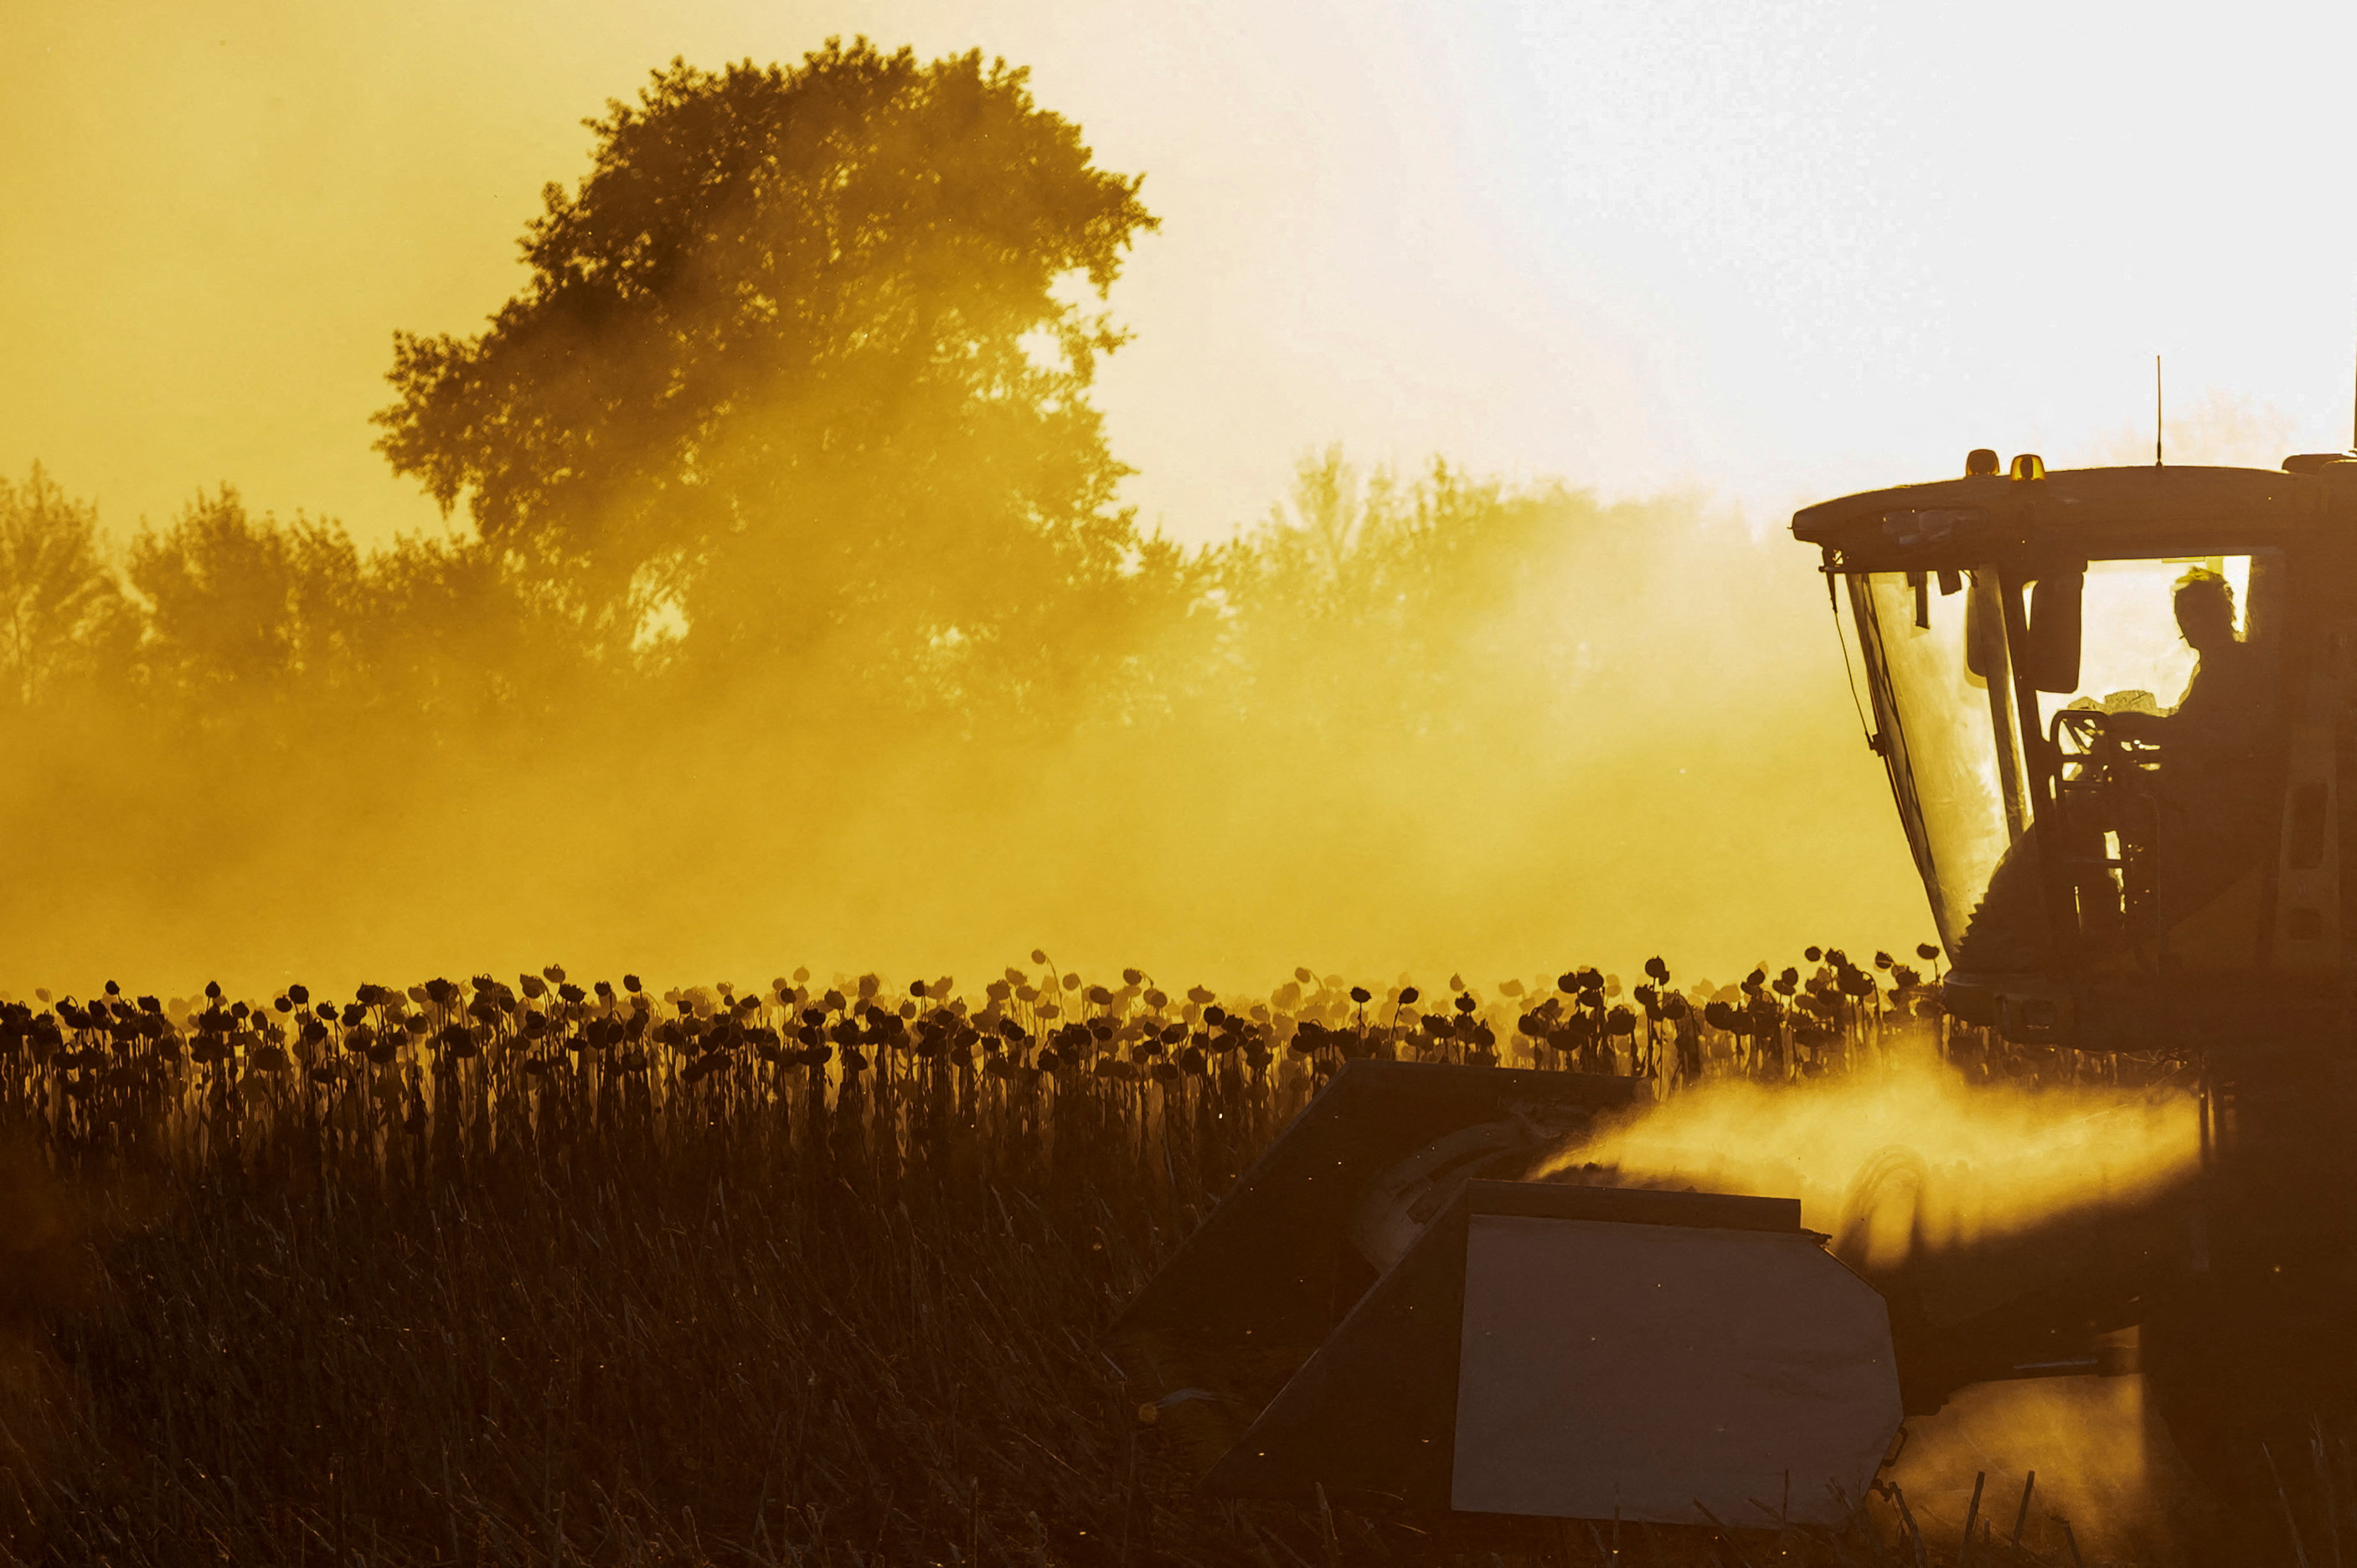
(2086, 728)
(2092, 733)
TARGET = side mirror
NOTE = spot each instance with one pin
(2051, 663)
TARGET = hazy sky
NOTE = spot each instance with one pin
(1775, 249)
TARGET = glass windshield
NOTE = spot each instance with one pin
(2149, 803)
(1925, 638)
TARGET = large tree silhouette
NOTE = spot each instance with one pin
(800, 366)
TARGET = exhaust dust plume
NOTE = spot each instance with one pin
(1990, 1161)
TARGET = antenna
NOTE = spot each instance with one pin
(2157, 425)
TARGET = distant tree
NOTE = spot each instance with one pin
(237, 604)
(62, 615)
(441, 634)
(795, 371)
(1371, 604)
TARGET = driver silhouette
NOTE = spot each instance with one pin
(2213, 803)
(2228, 704)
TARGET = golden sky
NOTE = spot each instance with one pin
(1771, 250)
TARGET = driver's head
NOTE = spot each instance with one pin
(2205, 609)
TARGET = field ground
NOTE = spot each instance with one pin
(475, 1274)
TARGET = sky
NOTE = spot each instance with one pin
(1771, 252)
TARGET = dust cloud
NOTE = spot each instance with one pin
(1988, 1161)
(1537, 731)
(2106, 1479)
(788, 614)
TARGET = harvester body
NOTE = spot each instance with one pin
(2113, 705)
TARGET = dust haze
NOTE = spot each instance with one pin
(788, 609)
(1586, 733)
(787, 614)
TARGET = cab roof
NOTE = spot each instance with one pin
(2087, 513)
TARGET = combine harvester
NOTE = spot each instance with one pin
(1385, 1313)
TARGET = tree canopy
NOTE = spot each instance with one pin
(801, 361)
(62, 618)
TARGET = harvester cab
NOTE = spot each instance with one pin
(2110, 701)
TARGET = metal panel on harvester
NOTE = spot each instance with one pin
(1666, 1372)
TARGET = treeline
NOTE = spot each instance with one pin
(1364, 600)
(223, 616)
